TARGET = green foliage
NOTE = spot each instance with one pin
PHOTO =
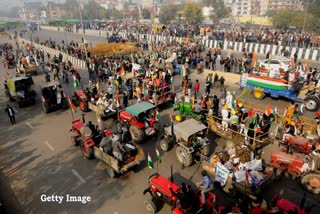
(193, 13)
(219, 8)
(71, 8)
(168, 13)
(286, 18)
(146, 14)
(93, 10)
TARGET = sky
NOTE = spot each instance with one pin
(4, 4)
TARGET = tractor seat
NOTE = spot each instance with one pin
(86, 132)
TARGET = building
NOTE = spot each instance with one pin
(30, 11)
(238, 7)
(276, 5)
(54, 11)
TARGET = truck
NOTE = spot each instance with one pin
(276, 88)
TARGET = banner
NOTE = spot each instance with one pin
(222, 174)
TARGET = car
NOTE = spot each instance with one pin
(49, 97)
(281, 64)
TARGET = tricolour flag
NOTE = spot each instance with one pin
(158, 154)
(150, 163)
(254, 59)
(75, 83)
(72, 106)
(157, 115)
(183, 70)
(268, 110)
(276, 110)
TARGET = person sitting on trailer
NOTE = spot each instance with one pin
(117, 148)
(106, 145)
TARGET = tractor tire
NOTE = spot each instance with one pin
(84, 106)
(75, 140)
(206, 150)
(312, 103)
(156, 126)
(178, 117)
(150, 206)
(111, 172)
(184, 157)
(86, 151)
(166, 144)
(258, 93)
(45, 107)
(137, 134)
(307, 181)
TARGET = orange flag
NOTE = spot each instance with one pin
(268, 110)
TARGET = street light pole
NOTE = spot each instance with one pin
(305, 16)
(81, 21)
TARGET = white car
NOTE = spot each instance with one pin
(276, 64)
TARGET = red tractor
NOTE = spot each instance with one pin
(297, 144)
(89, 142)
(161, 194)
(82, 100)
(287, 162)
(141, 119)
(282, 205)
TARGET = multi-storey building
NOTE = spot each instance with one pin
(276, 5)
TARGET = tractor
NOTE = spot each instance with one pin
(49, 97)
(89, 141)
(297, 144)
(184, 108)
(190, 138)
(159, 190)
(141, 119)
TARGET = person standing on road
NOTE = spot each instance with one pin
(196, 89)
(11, 113)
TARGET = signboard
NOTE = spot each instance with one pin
(222, 174)
(243, 80)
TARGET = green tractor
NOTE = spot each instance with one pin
(185, 108)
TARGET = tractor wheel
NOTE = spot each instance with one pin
(86, 151)
(83, 106)
(184, 157)
(206, 150)
(178, 117)
(165, 144)
(150, 206)
(45, 107)
(258, 93)
(156, 126)
(111, 172)
(309, 181)
(75, 140)
(137, 134)
(312, 103)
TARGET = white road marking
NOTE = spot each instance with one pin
(49, 145)
(77, 175)
(29, 124)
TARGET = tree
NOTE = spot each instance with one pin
(286, 18)
(193, 13)
(168, 13)
(146, 14)
(93, 10)
(219, 8)
(72, 9)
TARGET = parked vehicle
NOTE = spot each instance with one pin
(276, 63)
(141, 120)
(89, 142)
(49, 97)
(158, 188)
(297, 144)
(21, 90)
(190, 138)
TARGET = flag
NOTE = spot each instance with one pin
(275, 110)
(72, 106)
(175, 100)
(284, 115)
(75, 83)
(150, 163)
(158, 154)
(292, 63)
(254, 115)
(268, 110)
(247, 178)
(242, 67)
(254, 59)
(183, 70)
(257, 65)
(118, 100)
(157, 115)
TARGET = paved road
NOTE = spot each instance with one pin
(37, 158)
